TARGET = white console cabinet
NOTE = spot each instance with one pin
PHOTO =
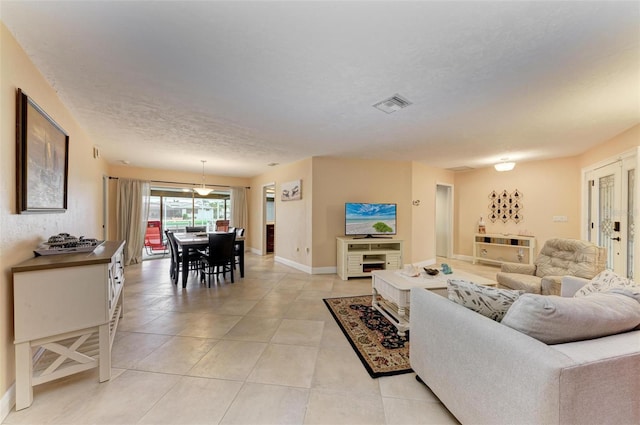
(498, 249)
(359, 257)
(66, 311)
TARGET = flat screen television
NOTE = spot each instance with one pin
(369, 220)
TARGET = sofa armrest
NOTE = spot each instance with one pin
(551, 285)
(518, 268)
(571, 284)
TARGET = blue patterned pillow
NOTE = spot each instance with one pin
(488, 301)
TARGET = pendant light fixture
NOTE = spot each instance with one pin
(202, 191)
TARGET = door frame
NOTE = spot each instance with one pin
(263, 224)
(447, 210)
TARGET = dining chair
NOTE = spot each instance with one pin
(172, 253)
(177, 257)
(219, 258)
(236, 246)
(195, 229)
(222, 225)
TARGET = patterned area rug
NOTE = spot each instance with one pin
(376, 341)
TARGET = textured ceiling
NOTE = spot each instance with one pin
(244, 84)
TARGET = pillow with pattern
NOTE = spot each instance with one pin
(488, 301)
(605, 281)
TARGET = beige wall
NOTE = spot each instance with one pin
(424, 180)
(293, 218)
(619, 144)
(21, 233)
(550, 188)
(339, 180)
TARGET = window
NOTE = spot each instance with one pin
(179, 208)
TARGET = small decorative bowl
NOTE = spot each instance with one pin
(431, 272)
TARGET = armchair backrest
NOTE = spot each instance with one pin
(573, 257)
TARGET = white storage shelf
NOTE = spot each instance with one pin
(359, 257)
(499, 249)
(66, 312)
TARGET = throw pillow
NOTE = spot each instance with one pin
(488, 301)
(603, 282)
(554, 320)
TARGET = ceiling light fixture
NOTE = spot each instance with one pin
(202, 191)
(504, 165)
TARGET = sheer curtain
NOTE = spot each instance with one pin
(239, 214)
(132, 205)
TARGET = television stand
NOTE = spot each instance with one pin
(372, 237)
(359, 257)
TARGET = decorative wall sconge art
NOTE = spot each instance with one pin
(505, 206)
(291, 191)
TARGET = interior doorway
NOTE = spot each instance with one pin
(444, 220)
(269, 218)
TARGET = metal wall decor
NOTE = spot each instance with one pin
(505, 206)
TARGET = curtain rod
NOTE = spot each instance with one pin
(190, 184)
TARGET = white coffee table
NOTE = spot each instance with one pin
(395, 289)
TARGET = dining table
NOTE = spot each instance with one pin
(201, 241)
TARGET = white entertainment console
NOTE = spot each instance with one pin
(499, 249)
(66, 311)
(359, 257)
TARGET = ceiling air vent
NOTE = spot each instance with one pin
(393, 104)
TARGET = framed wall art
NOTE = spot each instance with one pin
(42, 159)
(291, 191)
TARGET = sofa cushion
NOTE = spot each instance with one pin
(554, 320)
(488, 301)
(520, 282)
(605, 281)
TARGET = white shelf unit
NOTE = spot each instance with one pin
(66, 312)
(499, 249)
(359, 257)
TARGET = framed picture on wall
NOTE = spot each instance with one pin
(42, 159)
(291, 191)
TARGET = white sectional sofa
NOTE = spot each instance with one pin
(487, 373)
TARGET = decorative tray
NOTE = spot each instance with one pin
(52, 249)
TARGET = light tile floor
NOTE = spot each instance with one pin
(264, 350)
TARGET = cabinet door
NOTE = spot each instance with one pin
(354, 264)
(394, 261)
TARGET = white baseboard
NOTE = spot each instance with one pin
(468, 258)
(256, 251)
(7, 402)
(424, 263)
(297, 266)
(324, 270)
(305, 268)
